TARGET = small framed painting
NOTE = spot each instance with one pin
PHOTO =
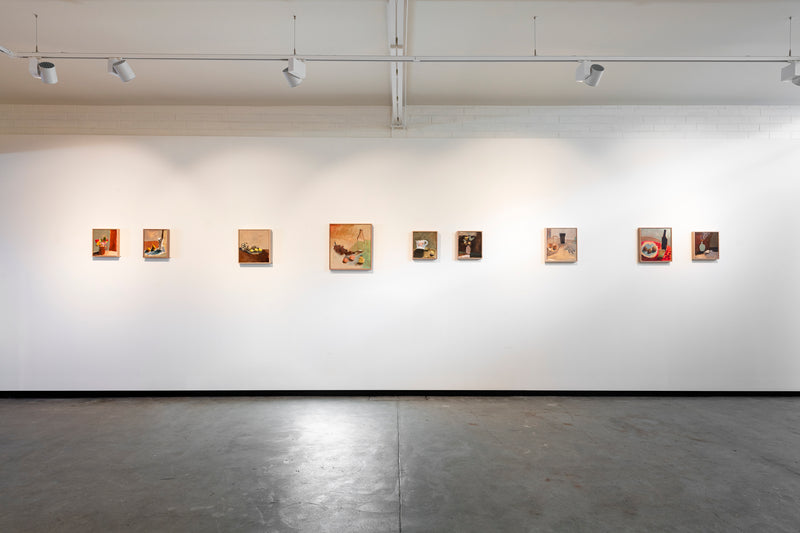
(562, 245)
(425, 244)
(655, 245)
(105, 243)
(706, 245)
(469, 244)
(255, 246)
(155, 244)
(350, 247)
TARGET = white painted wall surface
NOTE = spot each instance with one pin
(509, 321)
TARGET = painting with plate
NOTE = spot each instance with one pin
(561, 245)
(255, 246)
(425, 244)
(705, 245)
(655, 245)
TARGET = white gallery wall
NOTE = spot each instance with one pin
(509, 321)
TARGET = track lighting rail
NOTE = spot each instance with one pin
(405, 59)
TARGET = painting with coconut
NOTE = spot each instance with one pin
(350, 247)
(156, 244)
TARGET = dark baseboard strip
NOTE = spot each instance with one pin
(384, 393)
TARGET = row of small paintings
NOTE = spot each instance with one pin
(655, 245)
(350, 245)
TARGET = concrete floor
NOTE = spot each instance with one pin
(409, 464)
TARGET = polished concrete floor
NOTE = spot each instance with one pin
(440, 464)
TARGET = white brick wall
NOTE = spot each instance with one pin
(633, 122)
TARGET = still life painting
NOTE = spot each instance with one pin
(470, 244)
(105, 243)
(255, 246)
(655, 245)
(425, 244)
(706, 245)
(156, 244)
(350, 247)
(562, 245)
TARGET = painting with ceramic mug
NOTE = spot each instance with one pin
(655, 245)
(425, 244)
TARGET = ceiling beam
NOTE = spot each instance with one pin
(397, 13)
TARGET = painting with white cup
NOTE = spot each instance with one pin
(425, 244)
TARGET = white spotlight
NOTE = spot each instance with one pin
(589, 74)
(295, 71)
(791, 72)
(120, 68)
(43, 70)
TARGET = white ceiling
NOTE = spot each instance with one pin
(435, 27)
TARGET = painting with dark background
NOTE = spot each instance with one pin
(470, 244)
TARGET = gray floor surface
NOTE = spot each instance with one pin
(449, 464)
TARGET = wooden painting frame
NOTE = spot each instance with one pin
(254, 246)
(156, 243)
(105, 242)
(425, 245)
(655, 244)
(561, 245)
(705, 246)
(350, 247)
(472, 250)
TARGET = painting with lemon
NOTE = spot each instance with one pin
(255, 246)
(350, 247)
(425, 244)
(155, 244)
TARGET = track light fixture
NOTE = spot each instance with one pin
(295, 71)
(120, 68)
(43, 70)
(791, 72)
(588, 73)
(39, 69)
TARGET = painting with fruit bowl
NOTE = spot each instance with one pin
(655, 245)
